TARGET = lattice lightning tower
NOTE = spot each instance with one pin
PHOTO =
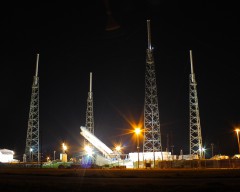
(32, 141)
(89, 112)
(195, 127)
(152, 134)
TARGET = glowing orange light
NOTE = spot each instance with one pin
(237, 130)
(137, 131)
(64, 147)
(118, 148)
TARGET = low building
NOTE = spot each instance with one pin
(236, 156)
(219, 157)
(6, 156)
(150, 156)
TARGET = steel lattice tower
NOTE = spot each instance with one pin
(32, 141)
(89, 112)
(195, 127)
(152, 134)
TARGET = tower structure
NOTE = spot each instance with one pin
(89, 113)
(152, 134)
(32, 149)
(196, 147)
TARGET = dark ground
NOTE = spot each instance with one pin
(119, 180)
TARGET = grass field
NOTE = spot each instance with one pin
(131, 173)
(171, 180)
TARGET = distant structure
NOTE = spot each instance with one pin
(111, 22)
(196, 147)
(6, 156)
(32, 141)
(152, 134)
(106, 151)
(89, 113)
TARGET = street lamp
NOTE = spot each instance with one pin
(118, 149)
(31, 154)
(202, 152)
(137, 131)
(237, 131)
(64, 147)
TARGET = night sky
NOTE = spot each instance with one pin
(72, 42)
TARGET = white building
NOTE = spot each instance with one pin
(150, 156)
(6, 156)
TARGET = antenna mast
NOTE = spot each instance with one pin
(149, 35)
(152, 134)
(196, 147)
(32, 141)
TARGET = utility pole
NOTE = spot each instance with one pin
(212, 144)
(172, 146)
(167, 143)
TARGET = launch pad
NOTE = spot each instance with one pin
(110, 157)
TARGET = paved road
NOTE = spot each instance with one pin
(12, 183)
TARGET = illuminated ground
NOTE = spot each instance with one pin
(119, 180)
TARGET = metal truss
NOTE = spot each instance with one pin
(32, 140)
(152, 134)
(196, 147)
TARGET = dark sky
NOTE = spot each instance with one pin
(72, 42)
